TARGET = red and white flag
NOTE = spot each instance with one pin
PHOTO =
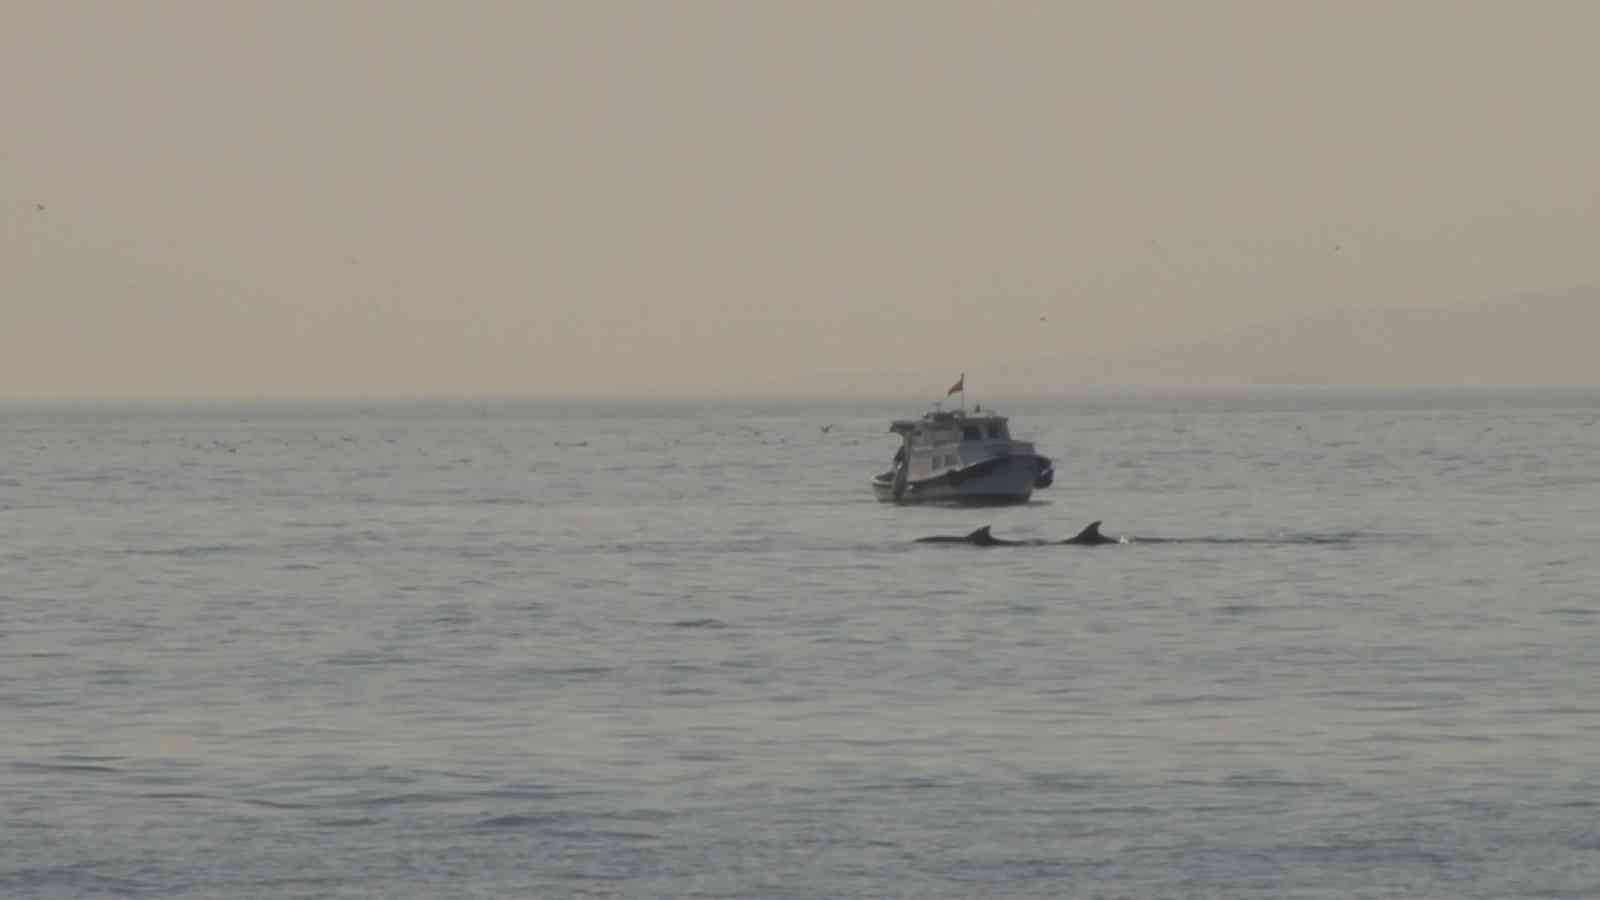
(959, 386)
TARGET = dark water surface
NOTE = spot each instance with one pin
(508, 649)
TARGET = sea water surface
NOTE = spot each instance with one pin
(541, 649)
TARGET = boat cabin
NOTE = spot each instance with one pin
(940, 441)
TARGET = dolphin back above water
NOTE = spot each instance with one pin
(1091, 537)
(982, 537)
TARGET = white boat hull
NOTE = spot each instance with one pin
(1002, 480)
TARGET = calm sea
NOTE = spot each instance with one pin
(526, 649)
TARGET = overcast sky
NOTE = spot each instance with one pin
(350, 197)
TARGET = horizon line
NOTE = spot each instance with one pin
(678, 395)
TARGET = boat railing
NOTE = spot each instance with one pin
(998, 446)
(977, 451)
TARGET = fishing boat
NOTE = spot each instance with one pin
(953, 456)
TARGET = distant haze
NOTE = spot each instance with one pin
(300, 198)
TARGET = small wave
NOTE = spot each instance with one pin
(1055, 782)
(910, 783)
(86, 479)
(567, 671)
(1170, 700)
(358, 822)
(530, 792)
(1273, 782)
(514, 821)
(190, 551)
(1578, 804)
(75, 879)
(359, 658)
(1338, 538)
(582, 834)
(273, 804)
(704, 756)
(699, 623)
(66, 768)
(688, 692)
(416, 797)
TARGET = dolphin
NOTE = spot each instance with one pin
(1091, 537)
(981, 538)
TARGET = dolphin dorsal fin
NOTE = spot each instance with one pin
(1092, 533)
(981, 535)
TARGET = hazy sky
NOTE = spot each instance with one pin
(337, 197)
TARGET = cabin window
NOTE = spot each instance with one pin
(972, 433)
(997, 431)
